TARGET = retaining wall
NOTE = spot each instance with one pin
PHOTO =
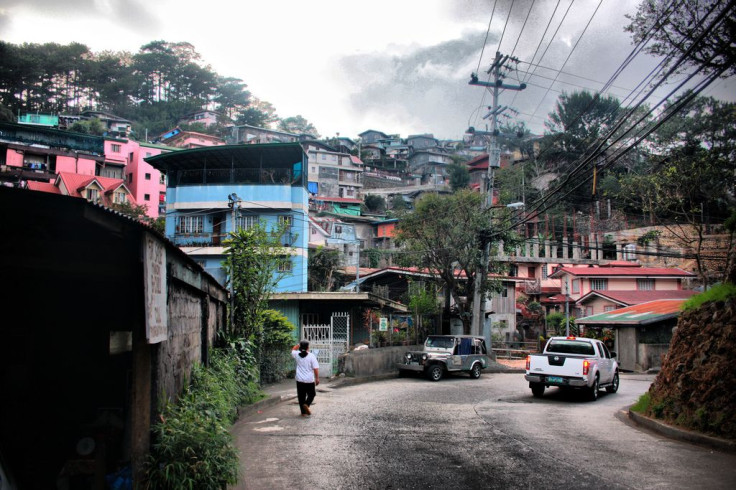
(370, 362)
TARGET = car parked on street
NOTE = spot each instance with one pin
(573, 362)
(443, 354)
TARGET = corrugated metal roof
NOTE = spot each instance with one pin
(637, 297)
(645, 313)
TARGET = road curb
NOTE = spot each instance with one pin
(680, 434)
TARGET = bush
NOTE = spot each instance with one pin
(192, 445)
(278, 337)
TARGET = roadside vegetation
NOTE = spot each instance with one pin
(191, 442)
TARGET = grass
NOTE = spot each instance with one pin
(720, 292)
(642, 404)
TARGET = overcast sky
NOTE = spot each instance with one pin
(398, 66)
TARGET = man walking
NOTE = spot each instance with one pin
(307, 375)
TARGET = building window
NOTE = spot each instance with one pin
(93, 195)
(576, 286)
(599, 284)
(608, 308)
(162, 179)
(545, 271)
(285, 221)
(118, 197)
(130, 178)
(246, 222)
(645, 284)
(148, 154)
(531, 272)
(629, 252)
(115, 148)
(285, 265)
(146, 197)
(189, 224)
(148, 176)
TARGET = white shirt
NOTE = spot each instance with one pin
(305, 366)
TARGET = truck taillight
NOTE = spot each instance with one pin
(586, 367)
(528, 362)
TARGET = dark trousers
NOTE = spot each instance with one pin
(305, 393)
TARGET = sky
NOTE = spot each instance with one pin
(400, 66)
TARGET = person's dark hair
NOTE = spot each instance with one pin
(303, 347)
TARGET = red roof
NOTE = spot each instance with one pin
(43, 187)
(622, 271)
(356, 160)
(638, 297)
(76, 183)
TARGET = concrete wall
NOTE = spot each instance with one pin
(369, 362)
(650, 355)
(627, 342)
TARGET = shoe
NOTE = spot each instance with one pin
(305, 410)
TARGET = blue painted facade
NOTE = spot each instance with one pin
(271, 186)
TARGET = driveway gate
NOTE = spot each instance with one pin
(328, 341)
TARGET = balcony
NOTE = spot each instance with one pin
(198, 239)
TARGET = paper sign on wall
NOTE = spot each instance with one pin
(383, 325)
(154, 277)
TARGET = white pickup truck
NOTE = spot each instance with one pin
(573, 362)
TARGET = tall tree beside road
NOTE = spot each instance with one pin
(444, 234)
(253, 257)
(689, 181)
(679, 24)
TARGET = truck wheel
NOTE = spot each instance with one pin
(434, 372)
(593, 390)
(475, 371)
(537, 390)
(613, 388)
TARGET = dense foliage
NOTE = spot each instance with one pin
(153, 88)
(192, 446)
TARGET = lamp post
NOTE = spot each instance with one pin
(233, 202)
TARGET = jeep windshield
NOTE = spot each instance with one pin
(440, 342)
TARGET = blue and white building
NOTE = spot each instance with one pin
(212, 191)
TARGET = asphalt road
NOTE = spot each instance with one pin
(410, 433)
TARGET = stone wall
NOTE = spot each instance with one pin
(370, 362)
(183, 348)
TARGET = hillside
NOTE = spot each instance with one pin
(696, 388)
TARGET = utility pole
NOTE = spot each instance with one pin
(233, 202)
(498, 72)
(567, 308)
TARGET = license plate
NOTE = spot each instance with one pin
(554, 379)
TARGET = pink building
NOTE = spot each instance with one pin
(124, 159)
(577, 282)
(189, 139)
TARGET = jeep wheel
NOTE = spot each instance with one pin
(537, 390)
(613, 387)
(475, 371)
(434, 372)
(593, 390)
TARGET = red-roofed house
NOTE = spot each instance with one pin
(577, 282)
(643, 331)
(603, 301)
(102, 190)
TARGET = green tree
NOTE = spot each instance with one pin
(323, 263)
(444, 235)
(680, 24)
(375, 203)
(298, 125)
(278, 337)
(459, 176)
(253, 257)
(88, 126)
